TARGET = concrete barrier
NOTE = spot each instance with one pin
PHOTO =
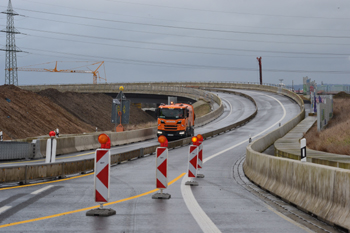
(320, 190)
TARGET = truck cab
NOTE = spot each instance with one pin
(175, 120)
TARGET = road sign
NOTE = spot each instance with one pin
(114, 109)
(124, 108)
(121, 96)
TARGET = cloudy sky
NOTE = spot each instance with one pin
(163, 40)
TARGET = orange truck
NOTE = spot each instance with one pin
(175, 120)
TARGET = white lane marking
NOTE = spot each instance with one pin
(238, 144)
(4, 208)
(197, 212)
(288, 219)
(42, 189)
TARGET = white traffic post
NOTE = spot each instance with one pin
(303, 150)
(1, 138)
(192, 163)
(51, 146)
(200, 155)
(57, 132)
(162, 169)
(102, 177)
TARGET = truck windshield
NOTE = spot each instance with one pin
(171, 113)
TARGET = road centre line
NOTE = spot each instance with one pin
(88, 208)
(42, 189)
(197, 212)
(47, 182)
(4, 208)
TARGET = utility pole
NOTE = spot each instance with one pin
(11, 76)
(259, 60)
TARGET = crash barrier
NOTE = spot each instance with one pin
(16, 150)
(60, 170)
(289, 147)
(319, 190)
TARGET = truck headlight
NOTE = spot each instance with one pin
(182, 132)
(159, 132)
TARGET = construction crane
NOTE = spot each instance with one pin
(95, 73)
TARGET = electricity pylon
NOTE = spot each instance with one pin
(11, 76)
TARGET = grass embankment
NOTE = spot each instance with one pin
(336, 137)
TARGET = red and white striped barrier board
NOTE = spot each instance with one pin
(162, 168)
(200, 155)
(193, 163)
(102, 170)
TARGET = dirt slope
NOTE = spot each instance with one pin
(29, 114)
(335, 138)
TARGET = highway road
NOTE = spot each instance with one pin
(224, 201)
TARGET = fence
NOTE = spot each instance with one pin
(16, 150)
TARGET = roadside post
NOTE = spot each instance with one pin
(57, 132)
(102, 177)
(192, 162)
(162, 168)
(303, 150)
(51, 146)
(1, 138)
(200, 155)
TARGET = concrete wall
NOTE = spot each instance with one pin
(320, 190)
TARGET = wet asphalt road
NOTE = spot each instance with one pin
(219, 204)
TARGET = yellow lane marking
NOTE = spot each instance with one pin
(39, 160)
(47, 182)
(88, 208)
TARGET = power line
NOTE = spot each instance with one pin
(181, 51)
(188, 36)
(190, 28)
(168, 64)
(162, 19)
(188, 46)
(228, 12)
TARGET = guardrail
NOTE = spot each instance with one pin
(319, 190)
(25, 173)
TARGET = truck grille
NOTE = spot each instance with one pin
(170, 126)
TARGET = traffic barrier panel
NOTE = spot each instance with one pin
(162, 168)
(192, 165)
(102, 175)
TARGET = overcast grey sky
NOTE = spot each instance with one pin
(206, 40)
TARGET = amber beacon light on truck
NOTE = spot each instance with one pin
(175, 120)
